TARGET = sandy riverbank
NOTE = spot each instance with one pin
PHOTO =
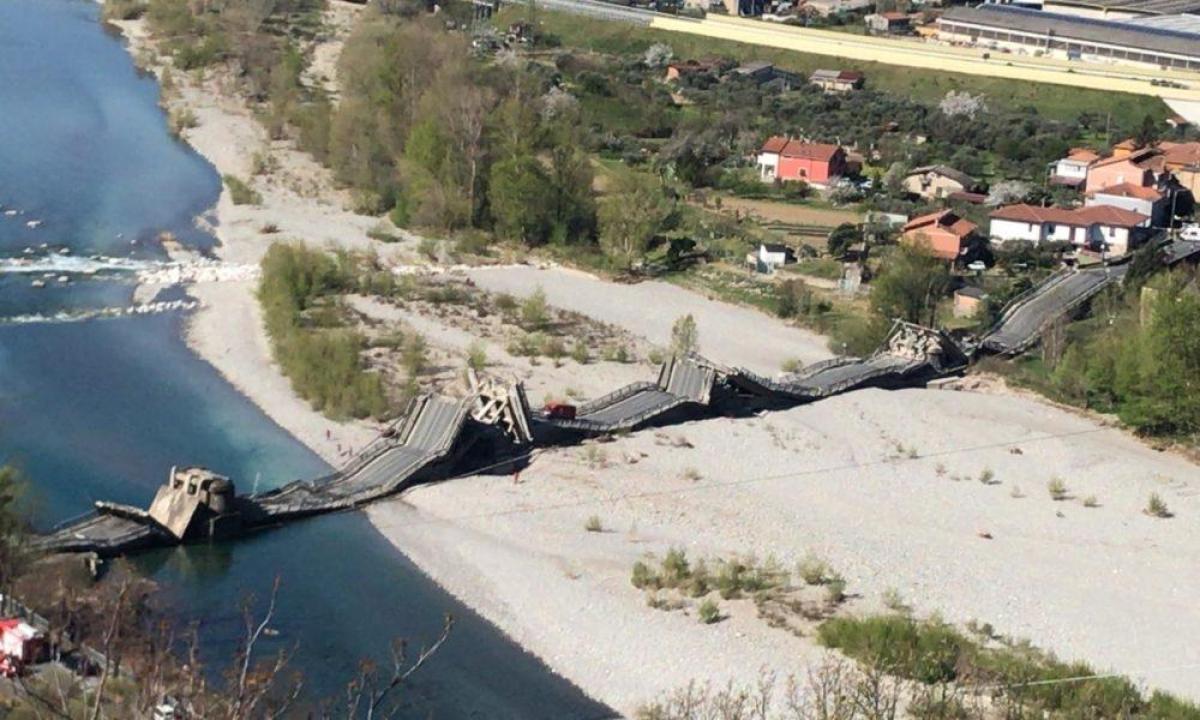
(1107, 584)
(301, 203)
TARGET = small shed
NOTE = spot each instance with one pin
(967, 300)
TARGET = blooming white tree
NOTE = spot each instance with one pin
(557, 102)
(658, 55)
(962, 103)
(1008, 192)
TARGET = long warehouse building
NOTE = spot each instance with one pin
(1069, 36)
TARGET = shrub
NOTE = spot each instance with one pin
(618, 353)
(675, 568)
(415, 356)
(1157, 507)
(124, 9)
(1057, 489)
(835, 589)
(792, 365)
(579, 353)
(813, 570)
(240, 192)
(324, 365)
(180, 120)
(988, 477)
(594, 525)
(643, 577)
(534, 312)
(476, 356)
(685, 338)
(1091, 502)
(709, 612)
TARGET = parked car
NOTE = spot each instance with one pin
(560, 411)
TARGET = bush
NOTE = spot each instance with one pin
(933, 653)
(240, 192)
(685, 338)
(813, 570)
(675, 568)
(594, 525)
(324, 365)
(643, 577)
(1157, 507)
(1057, 489)
(534, 312)
(709, 612)
(476, 356)
(124, 9)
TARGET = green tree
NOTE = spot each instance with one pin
(1165, 396)
(910, 286)
(13, 528)
(521, 205)
(842, 237)
(572, 211)
(685, 337)
(632, 216)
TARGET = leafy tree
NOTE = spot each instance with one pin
(632, 216)
(13, 528)
(842, 237)
(910, 286)
(572, 211)
(519, 200)
(1147, 132)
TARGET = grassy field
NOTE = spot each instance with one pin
(927, 86)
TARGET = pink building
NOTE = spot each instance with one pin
(791, 160)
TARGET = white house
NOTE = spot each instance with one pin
(1144, 200)
(1073, 169)
(1105, 228)
(770, 256)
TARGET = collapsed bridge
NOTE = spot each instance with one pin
(435, 433)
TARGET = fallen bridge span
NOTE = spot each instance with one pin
(435, 432)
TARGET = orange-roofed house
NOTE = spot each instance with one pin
(1183, 161)
(1072, 171)
(944, 233)
(1145, 200)
(790, 160)
(1099, 227)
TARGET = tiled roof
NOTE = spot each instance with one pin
(1130, 190)
(946, 219)
(774, 144)
(1083, 155)
(810, 151)
(797, 149)
(1181, 153)
(947, 172)
(1093, 215)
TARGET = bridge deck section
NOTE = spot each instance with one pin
(1028, 315)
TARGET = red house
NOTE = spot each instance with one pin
(815, 163)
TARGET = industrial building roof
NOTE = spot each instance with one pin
(1124, 34)
(1145, 7)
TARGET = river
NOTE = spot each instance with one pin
(101, 409)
